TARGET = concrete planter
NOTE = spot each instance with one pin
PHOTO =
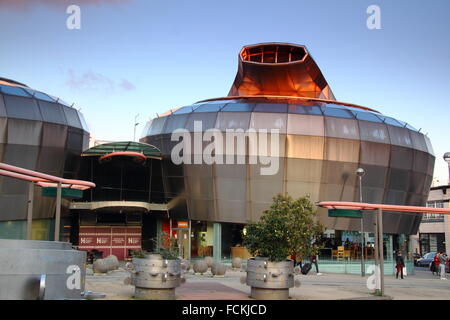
(269, 280)
(218, 269)
(154, 277)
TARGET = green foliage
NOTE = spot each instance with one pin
(167, 247)
(288, 228)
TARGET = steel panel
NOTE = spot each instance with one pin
(375, 153)
(24, 132)
(341, 150)
(307, 125)
(305, 147)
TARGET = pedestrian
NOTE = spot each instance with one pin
(313, 260)
(442, 261)
(436, 263)
(400, 264)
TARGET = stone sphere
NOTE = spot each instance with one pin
(236, 263)
(200, 266)
(185, 265)
(209, 261)
(112, 262)
(218, 269)
(100, 266)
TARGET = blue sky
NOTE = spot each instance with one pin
(144, 57)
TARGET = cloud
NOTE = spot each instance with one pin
(27, 4)
(126, 85)
(93, 81)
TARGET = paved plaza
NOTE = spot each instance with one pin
(420, 286)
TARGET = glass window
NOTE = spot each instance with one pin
(209, 107)
(208, 120)
(418, 141)
(52, 112)
(175, 122)
(341, 128)
(238, 107)
(392, 122)
(270, 107)
(16, 91)
(337, 112)
(269, 121)
(233, 120)
(375, 132)
(400, 136)
(83, 121)
(313, 110)
(72, 117)
(157, 125)
(39, 95)
(429, 146)
(182, 110)
(367, 116)
(22, 108)
(146, 128)
(410, 127)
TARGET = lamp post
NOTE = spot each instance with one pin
(360, 173)
(447, 159)
(135, 125)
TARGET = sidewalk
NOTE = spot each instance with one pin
(422, 286)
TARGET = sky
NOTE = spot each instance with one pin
(143, 57)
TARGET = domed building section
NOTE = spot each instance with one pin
(37, 132)
(321, 143)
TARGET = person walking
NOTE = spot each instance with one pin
(313, 260)
(442, 261)
(400, 264)
(436, 263)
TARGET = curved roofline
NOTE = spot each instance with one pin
(148, 150)
(13, 82)
(291, 98)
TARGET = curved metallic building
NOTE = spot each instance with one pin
(38, 132)
(322, 143)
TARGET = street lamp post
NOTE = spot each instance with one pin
(360, 173)
(135, 125)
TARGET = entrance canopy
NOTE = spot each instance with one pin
(384, 207)
(124, 148)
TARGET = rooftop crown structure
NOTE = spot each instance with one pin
(321, 144)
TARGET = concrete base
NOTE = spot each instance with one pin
(269, 294)
(154, 294)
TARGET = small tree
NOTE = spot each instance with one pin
(287, 228)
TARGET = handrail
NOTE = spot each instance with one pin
(40, 178)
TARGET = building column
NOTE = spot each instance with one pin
(158, 234)
(217, 245)
(447, 232)
(389, 248)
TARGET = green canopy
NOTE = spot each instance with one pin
(147, 149)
